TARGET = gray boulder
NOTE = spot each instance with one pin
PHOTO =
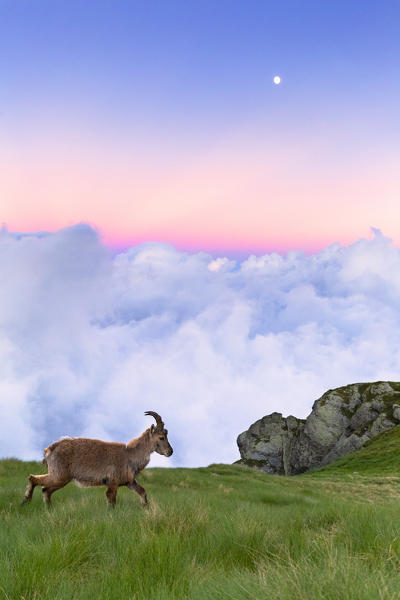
(341, 421)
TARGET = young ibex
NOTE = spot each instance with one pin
(89, 463)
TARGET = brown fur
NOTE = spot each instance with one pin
(90, 462)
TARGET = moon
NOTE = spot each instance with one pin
(277, 80)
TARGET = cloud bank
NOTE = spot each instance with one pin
(90, 340)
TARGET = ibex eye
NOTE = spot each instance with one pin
(162, 438)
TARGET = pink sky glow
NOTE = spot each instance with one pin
(252, 201)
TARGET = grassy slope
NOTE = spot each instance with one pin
(217, 532)
(379, 456)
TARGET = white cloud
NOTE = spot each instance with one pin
(89, 341)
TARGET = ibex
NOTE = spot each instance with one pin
(90, 463)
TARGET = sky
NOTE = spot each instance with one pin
(160, 121)
(182, 235)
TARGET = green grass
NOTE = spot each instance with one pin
(221, 532)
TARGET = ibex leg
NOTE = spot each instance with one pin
(135, 487)
(111, 494)
(49, 490)
(46, 481)
(29, 489)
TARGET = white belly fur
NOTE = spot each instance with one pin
(81, 484)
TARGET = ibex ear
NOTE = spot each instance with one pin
(152, 428)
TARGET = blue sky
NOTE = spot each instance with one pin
(199, 64)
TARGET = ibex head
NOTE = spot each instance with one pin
(159, 435)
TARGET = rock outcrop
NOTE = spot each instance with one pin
(341, 421)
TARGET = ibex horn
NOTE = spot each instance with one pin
(157, 417)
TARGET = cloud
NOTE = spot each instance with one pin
(90, 340)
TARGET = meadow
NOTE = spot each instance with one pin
(220, 532)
